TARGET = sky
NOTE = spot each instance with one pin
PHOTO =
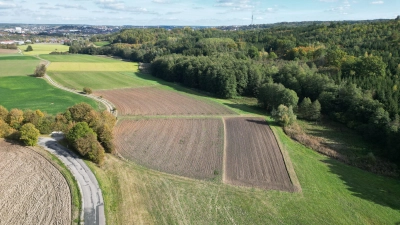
(192, 12)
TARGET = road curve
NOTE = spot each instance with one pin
(92, 198)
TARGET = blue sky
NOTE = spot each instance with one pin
(192, 12)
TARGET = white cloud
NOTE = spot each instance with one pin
(71, 6)
(377, 2)
(6, 5)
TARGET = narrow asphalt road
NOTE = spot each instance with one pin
(92, 198)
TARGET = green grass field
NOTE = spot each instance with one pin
(92, 67)
(101, 43)
(39, 49)
(78, 58)
(98, 73)
(26, 92)
(17, 65)
(99, 80)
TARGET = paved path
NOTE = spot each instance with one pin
(92, 198)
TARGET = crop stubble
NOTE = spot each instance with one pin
(185, 147)
(155, 101)
(253, 157)
(32, 190)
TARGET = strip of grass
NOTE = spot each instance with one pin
(72, 183)
(88, 66)
(35, 93)
(39, 49)
(99, 80)
(102, 43)
(77, 58)
(12, 66)
(18, 57)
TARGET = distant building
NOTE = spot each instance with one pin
(18, 30)
(7, 42)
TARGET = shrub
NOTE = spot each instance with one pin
(3, 112)
(87, 90)
(29, 134)
(15, 118)
(29, 48)
(40, 70)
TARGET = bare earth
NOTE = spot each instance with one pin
(32, 190)
(186, 147)
(155, 101)
(253, 157)
(8, 51)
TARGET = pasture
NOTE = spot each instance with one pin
(100, 80)
(102, 43)
(186, 147)
(17, 65)
(92, 67)
(25, 92)
(155, 101)
(32, 190)
(78, 58)
(39, 49)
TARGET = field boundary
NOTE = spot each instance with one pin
(224, 153)
(288, 163)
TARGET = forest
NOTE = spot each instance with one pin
(348, 71)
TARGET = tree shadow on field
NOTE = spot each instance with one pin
(374, 188)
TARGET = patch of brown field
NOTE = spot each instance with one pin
(253, 157)
(8, 51)
(155, 101)
(186, 147)
(32, 190)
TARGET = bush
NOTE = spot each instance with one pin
(87, 90)
(29, 48)
(3, 113)
(15, 118)
(29, 134)
(40, 70)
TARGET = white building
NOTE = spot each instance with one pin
(18, 30)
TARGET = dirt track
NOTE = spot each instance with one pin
(186, 147)
(155, 101)
(253, 157)
(32, 190)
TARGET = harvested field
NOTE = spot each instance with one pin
(32, 190)
(186, 147)
(155, 101)
(8, 51)
(253, 157)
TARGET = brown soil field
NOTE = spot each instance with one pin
(253, 157)
(155, 101)
(186, 147)
(32, 190)
(8, 51)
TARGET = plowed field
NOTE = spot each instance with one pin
(186, 147)
(32, 190)
(8, 51)
(155, 101)
(253, 157)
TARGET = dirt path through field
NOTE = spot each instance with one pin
(92, 197)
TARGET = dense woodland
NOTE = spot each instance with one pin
(349, 71)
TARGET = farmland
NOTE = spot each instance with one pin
(32, 190)
(156, 101)
(25, 92)
(253, 157)
(17, 65)
(186, 147)
(39, 49)
(8, 51)
(98, 73)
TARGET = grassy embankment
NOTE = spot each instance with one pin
(332, 192)
(18, 89)
(102, 43)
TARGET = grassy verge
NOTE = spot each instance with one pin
(72, 183)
